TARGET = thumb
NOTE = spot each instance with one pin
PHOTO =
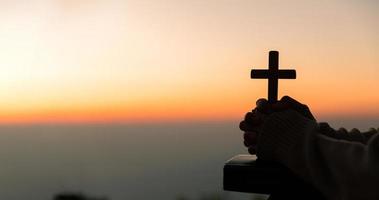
(287, 102)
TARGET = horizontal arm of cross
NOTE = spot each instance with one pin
(264, 74)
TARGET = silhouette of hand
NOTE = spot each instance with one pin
(252, 123)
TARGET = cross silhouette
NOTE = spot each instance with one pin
(273, 74)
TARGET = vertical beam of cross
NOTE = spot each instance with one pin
(273, 67)
(273, 74)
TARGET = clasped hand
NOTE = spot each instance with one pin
(254, 120)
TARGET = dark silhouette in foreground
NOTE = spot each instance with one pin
(75, 196)
(300, 158)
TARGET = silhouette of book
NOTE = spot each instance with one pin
(246, 173)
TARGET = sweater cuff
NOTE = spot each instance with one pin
(281, 133)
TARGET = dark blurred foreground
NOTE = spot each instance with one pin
(76, 196)
(81, 196)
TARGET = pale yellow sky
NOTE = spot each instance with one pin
(157, 60)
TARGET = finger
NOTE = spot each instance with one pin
(244, 126)
(290, 100)
(294, 104)
(249, 116)
(252, 118)
(246, 143)
(287, 102)
(252, 150)
(249, 140)
(262, 105)
(250, 137)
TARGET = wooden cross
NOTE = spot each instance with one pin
(273, 74)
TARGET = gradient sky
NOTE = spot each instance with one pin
(144, 61)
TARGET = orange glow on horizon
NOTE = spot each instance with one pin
(171, 113)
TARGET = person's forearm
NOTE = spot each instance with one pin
(344, 169)
(338, 168)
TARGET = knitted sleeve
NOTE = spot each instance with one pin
(339, 168)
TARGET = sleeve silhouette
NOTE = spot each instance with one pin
(340, 164)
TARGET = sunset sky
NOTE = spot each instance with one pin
(165, 60)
